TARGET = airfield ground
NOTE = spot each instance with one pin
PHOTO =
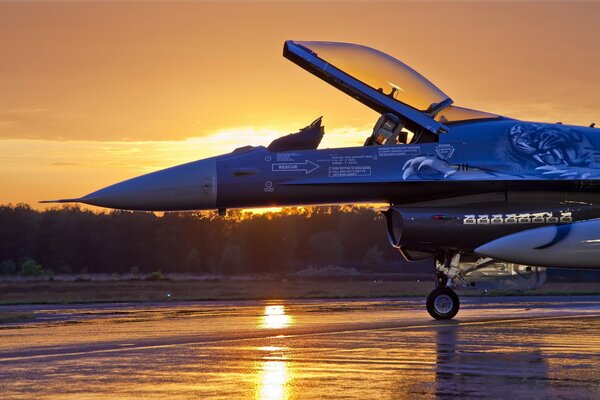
(534, 347)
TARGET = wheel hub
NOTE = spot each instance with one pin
(443, 304)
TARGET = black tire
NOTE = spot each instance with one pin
(443, 303)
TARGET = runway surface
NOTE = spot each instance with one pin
(514, 347)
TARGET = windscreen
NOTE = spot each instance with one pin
(457, 114)
(380, 71)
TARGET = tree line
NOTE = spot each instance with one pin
(75, 240)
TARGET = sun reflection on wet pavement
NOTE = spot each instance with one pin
(273, 377)
(518, 348)
(273, 381)
(275, 317)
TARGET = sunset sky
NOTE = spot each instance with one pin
(92, 93)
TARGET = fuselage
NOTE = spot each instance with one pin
(512, 159)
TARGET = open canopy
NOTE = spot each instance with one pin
(381, 72)
(375, 79)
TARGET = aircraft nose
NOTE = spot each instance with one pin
(191, 186)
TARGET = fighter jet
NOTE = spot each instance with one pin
(490, 199)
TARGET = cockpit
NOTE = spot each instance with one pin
(413, 110)
(389, 129)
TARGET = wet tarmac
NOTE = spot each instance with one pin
(517, 348)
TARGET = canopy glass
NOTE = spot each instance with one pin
(382, 72)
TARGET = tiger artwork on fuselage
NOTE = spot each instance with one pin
(553, 150)
(550, 151)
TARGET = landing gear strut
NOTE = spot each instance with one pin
(442, 302)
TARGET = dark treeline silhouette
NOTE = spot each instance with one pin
(75, 240)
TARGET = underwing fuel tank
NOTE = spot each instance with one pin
(575, 245)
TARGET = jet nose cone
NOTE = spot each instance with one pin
(190, 186)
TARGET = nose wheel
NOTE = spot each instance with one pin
(442, 303)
